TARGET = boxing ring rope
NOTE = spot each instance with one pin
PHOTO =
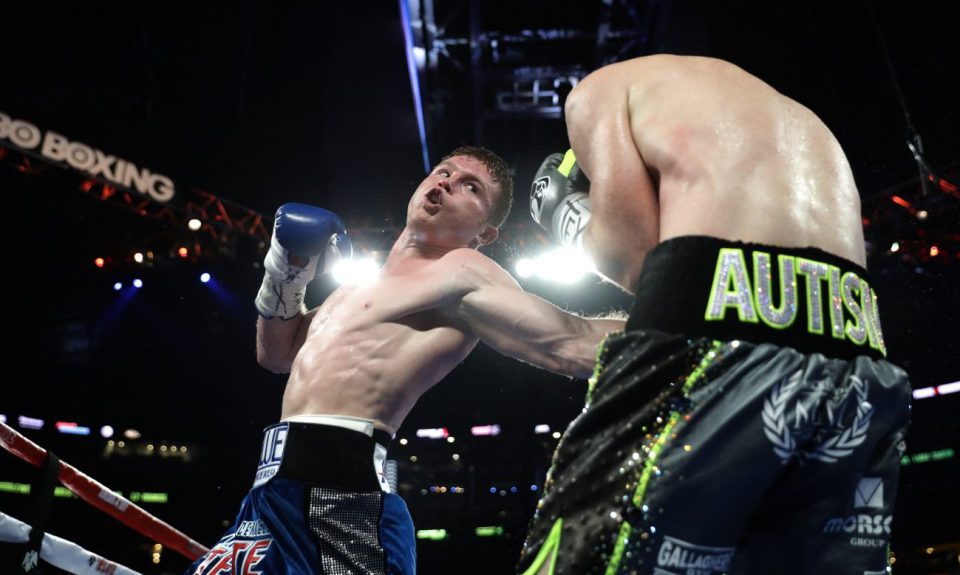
(59, 552)
(101, 497)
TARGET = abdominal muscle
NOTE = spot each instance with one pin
(366, 358)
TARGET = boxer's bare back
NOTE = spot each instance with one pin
(677, 146)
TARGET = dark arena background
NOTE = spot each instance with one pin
(122, 123)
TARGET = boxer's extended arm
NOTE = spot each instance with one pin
(523, 326)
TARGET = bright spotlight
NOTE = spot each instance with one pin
(194, 224)
(526, 267)
(204, 277)
(356, 271)
(138, 283)
(117, 286)
(564, 265)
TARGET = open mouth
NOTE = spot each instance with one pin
(432, 201)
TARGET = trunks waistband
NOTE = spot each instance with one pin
(328, 455)
(804, 298)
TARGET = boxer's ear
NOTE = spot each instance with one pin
(488, 235)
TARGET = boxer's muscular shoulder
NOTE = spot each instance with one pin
(651, 71)
(636, 86)
(468, 269)
(643, 79)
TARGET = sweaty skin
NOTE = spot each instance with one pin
(372, 351)
(680, 145)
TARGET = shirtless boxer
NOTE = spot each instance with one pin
(359, 362)
(746, 421)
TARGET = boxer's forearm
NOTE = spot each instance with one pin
(526, 327)
(582, 352)
(601, 326)
(279, 341)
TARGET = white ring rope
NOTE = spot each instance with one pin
(59, 552)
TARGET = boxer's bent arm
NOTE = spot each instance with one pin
(526, 327)
(598, 117)
(279, 341)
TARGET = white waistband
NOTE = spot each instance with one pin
(345, 421)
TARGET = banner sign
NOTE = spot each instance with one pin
(59, 149)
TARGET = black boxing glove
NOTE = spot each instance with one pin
(559, 199)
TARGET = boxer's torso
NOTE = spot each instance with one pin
(372, 351)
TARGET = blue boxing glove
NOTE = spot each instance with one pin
(307, 241)
(559, 199)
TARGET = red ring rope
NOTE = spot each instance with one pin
(98, 495)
